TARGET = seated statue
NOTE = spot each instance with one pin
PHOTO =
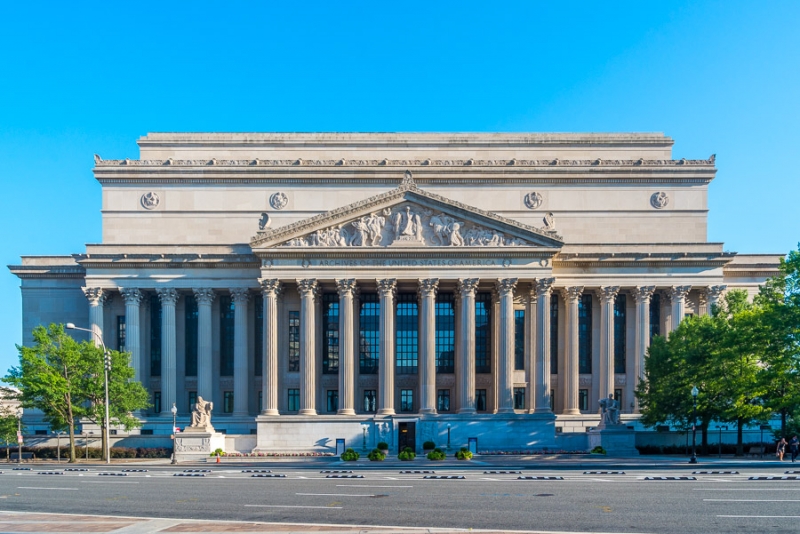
(201, 413)
(610, 411)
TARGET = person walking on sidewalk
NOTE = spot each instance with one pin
(781, 449)
(794, 447)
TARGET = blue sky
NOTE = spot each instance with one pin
(80, 78)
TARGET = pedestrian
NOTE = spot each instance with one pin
(794, 447)
(781, 449)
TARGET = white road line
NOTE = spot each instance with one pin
(292, 506)
(40, 488)
(751, 500)
(763, 516)
(304, 478)
(354, 486)
(601, 480)
(492, 479)
(746, 489)
(391, 478)
(334, 495)
(108, 482)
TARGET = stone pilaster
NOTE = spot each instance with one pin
(427, 334)
(571, 297)
(607, 296)
(308, 380)
(542, 349)
(241, 370)
(96, 296)
(642, 296)
(133, 300)
(169, 348)
(270, 290)
(530, 346)
(346, 289)
(466, 356)
(678, 296)
(386, 290)
(205, 365)
(505, 394)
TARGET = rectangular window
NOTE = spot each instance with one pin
(445, 333)
(156, 402)
(260, 401)
(519, 398)
(480, 400)
(406, 400)
(330, 334)
(258, 340)
(333, 400)
(407, 328)
(227, 402)
(519, 340)
(226, 312)
(192, 399)
(618, 397)
(620, 327)
(583, 399)
(190, 336)
(585, 334)
(155, 336)
(483, 333)
(553, 336)
(655, 315)
(443, 400)
(294, 342)
(120, 333)
(370, 400)
(369, 334)
(294, 400)
(552, 400)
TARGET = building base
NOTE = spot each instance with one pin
(617, 440)
(194, 446)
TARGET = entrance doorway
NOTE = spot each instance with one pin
(407, 436)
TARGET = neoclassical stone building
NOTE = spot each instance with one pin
(397, 287)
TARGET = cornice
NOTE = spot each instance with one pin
(47, 271)
(168, 261)
(404, 253)
(634, 259)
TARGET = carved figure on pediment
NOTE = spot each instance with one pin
(359, 237)
(374, 224)
(407, 225)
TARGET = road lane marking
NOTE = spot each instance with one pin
(292, 506)
(746, 489)
(352, 486)
(40, 488)
(108, 482)
(762, 516)
(334, 495)
(752, 500)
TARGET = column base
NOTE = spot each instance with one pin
(307, 411)
(270, 412)
(542, 410)
(467, 410)
(386, 411)
(571, 411)
(346, 411)
(428, 411)
(506, 410)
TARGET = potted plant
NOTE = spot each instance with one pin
(437, 454)
(376, 456)
(383, 447)
(464, 454)
(407, 454)
(349, 455)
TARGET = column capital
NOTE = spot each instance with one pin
(346, 287)
(714, 292)
(607, 293)
(131, 295)
(572, 293)
(167, 295)
(643, 293)
(428, 286)
(505, 286)
(387, 286)
(307, 286)
(544, 286)
(240, 294)
(679, 292)
(468, 286)
(270, 287)
(95, 295)
(204, 295)
(532, 295)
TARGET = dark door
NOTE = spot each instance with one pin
(407, 436)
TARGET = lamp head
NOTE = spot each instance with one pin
(695, 391)
(70, 326)
(448, 426)
(174, 409)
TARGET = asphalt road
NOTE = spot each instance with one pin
(580, 502)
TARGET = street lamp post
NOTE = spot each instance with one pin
(721, 428)
(19, 436)
(693, 459)
(364, 443)
(58, 446)
(174, 411)
(448, 437)
(106, 369)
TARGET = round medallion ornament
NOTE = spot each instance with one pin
(150, 200)
(659, 200)
(533, 200)
(278, 200)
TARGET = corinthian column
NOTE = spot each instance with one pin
(168, 297)
(712, 295)
(270, 289)
(133, 299)
(542, 349)
(204, 297)
(241, 375)
(346, 289)
(427, 375)
(505, 394)
(466, 380)
(678, 296)
(96, 297)
(642, 296)
(571, 296)
(530, 347)
(386, 289)
(607, 297)
(307, 289)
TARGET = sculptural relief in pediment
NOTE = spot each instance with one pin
(406, 225)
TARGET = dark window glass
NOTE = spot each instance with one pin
(583, 399)
(155, 336)
(553, 337)
(294, 400)
(227, 402)
(330, 333)
(620, 319)
(480, 400)
(585, 334)
(443, 400)
(120, 333)
(190, 337)
(483, 333)
(445, 333)
(552, 400)
(294, 342)
(258, 341)
(226, 336)
(407, 327)
(618, 397)
(519, 398)
(333, 400)
(192, 399)
(369, 335)
(156, 402)
(655, 315)
(519, 340)
(370, 400)
(406, 400)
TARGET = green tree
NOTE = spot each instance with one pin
(48, 378)
(8, 429)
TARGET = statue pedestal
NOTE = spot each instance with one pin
(617, 440)
(197, 443)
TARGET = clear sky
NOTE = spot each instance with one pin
(78, 78)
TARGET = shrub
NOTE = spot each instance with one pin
(218, 451)
(383, 446)
(598, 450)
(437, 454)
(376, 456)
(349, 455)
(428, 446)
(464, 454)
(408, 454)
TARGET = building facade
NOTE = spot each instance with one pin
(397, 287)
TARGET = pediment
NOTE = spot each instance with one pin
(406, 217)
